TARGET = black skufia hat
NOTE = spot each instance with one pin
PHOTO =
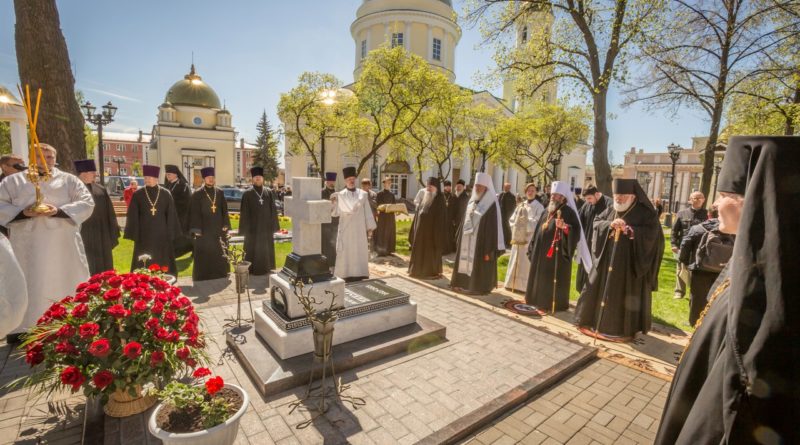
(349, 172)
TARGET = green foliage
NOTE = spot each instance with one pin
(5, 138)
(266, 154)
(182, 396)
(89, 137)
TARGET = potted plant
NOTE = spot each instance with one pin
(118, 334)
(206, 414)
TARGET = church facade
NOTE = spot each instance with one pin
(428, 29)
(194, 131)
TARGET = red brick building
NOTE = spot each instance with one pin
(123, 153)
(243, 160)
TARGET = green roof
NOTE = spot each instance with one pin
(191, 90)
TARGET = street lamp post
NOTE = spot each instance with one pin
(100, 119)
(556, 163)
(674, 154)
(717, 169)
(119, 160)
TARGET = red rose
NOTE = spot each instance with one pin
(165, 269)
(160, 284)
(162, 334)
(137, 293)
(65, 331)
(118, 311)
(151, 324)
(109, 273)
(100, 348)
(174, 336)
(156, 357)
(170, 317)
(112, 294)
(56, 311)
(190, 362)
(96, 278)
(189, 329)
(154, 268)
(194, 341)
(175, 291)
(158, 307)
(183, 353)
(175, 304)
(66, 347)
(115, 281)
(214, 384)
(65, 300)
(132, 350)
(34, 355)
(88, 330)
(80, 310)
(81, 297)
(103, 379)
(93, 289)
(201, 372)
(162, 297)
(129, 284)
(185, 301)
(81, 287)
(139, 306)
(71, 375)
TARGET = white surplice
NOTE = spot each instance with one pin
(523, 222)
(13, 293)
(49, 249)
(355, 219)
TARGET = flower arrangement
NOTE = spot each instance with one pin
(190, 407)
(119, 332)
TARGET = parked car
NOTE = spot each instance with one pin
(233, 197)
(115, 185)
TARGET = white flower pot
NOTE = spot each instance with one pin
(222, 434)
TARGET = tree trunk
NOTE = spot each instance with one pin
(43, 63)
(789, 130)
(708, 152)
(602, 171)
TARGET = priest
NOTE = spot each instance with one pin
(737, 379)
(48, 245)
(329, 230)
(100, 232)
(152, 223)
(258, 223)
(356, 224)
(13, 292)
(595, 203)
(551, 249)
(629, 232)
(181, 192)
(480, 241)
(427, 236)
(452, 215)
(208, 225)
(523, 224)
(508, 202)
(386, 233)
(461, 199)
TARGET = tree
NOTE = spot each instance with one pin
(5, 138)
(393, 90)
(771, 106)
(89, 137)
(266, 155)
(532, 140)
(43, 62)
(578, 43)
(136, 168)
(702, 54)
(479, 132)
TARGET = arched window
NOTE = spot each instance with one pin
(524, 36)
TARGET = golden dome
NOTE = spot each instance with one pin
(191, 90)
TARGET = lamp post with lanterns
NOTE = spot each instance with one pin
(717, 169)
(100, 119)
(119, 160)
(674, 154)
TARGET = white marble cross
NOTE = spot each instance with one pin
(307, 211)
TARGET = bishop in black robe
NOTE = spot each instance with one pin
(385, 236)
(427, 234)
(459, 208)
(737, 379)
(634, 274)
(594, 204)
(152, 223)
(181, 193)
(258, 223)
(480, 241)
(508, 202)
(550, 252)
(209, 224)
(330, 230)
(100, 233)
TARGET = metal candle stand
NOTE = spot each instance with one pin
(322, 325)
(242, 278)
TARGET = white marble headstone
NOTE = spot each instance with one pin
(307, 211)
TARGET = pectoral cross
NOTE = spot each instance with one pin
(213, 208)
(261, 201)
(153, 211)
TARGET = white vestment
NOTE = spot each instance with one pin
(355, 219)
(472, 220)
(13, 293)
(49, 249)
(523, 222)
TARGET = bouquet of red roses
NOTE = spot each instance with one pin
(118, 332)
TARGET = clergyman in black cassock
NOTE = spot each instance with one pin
(100, 233)
(550, 251)
(594, 204)
(385, 235)
(450, 218)
(737, 379)
(508, 202)
(258, 223)
(480, 241)
(635, 268)
(330, 230)
(460, 201)
(208, 224)
(427, 234)
(181, 192)
(152, 223)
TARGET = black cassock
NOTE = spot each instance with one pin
(483, 278)
(450, 224)
(427, 239)
(329, 232)
(507, 205)
(539, 292)
(587, 213)
(181, 194)
(385, 234)
(208, 227)
(100, 232)
(634, 276)
(258, 224)
(457, 216)
(153, 234)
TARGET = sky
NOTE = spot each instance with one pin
(251, 51)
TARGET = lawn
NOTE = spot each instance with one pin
(666, 310)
